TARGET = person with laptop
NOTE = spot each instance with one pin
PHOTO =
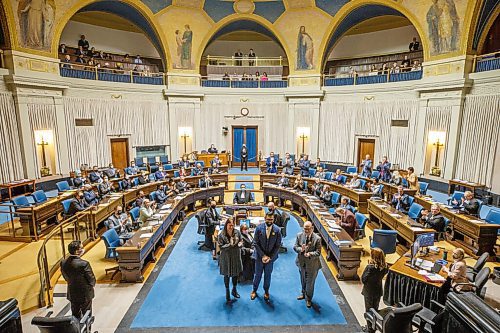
(433, 220)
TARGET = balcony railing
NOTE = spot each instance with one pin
(245, 61)
(78, 71)
(487, 62)
(349, 79)
(242, 83)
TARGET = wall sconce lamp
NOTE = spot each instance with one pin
(185, 132)
(225, 131)
(303, 133)
(437, 139)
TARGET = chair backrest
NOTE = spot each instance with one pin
(111, 239)
(404, 182)
(400, 319)
(363, 184)
(335, 198)
(21, 200)
(201, 224)
(415, 210)
(375, 174)
(176, 174)
(352, 169)
(201, 162)
(136, 181)
(385, 240)
(493, 217)
(151, 160)
(192, 171)
(457, 195)
(139, 161)
(381, 190)
(66, 203)
(361, 219)
(128, 170)
(164, 159)
(423, 187)
(152, 196)
(481, 279)
(446, 222)
(39, 196)
(328, 175)
(305, 185)
(63, 186)
(343, 179)
(168, 167)
(481, 261)
(66, 324)
(152, 177)
(312, 172)
(411, 200)
(134, 213)
(285, 218)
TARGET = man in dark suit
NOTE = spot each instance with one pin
(266, 242)
(346, 220)
(288, 164)
(251, 55)
(212, 149)
(469, 204)
(244, 157)
(78, 204)
(304, 165)
(182, 186)
(212, 219)
(384, 168)
(161, 196)
(283, 180)
(242, 196)
(84, 43)
(238, 55)
(326, 195)
(317, 187)
(271, 163)
(308, 249)
(140, 198)
(95, 176)
(206, 181)
(81, 280)
(434, 220)
(401, 201)
(367, 165)
(90, 195)
(414, 45)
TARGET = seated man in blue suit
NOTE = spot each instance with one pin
(95, 176)
(206, 181)
(400, 201)
(271, 163)
(198, 171)
(345, 202)
(133, 169)
(78, 204)
(266, 242)
(160, 174)
(161, 196)
(90, 195)
(217, 161)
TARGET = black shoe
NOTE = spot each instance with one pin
(228, 296)
(235, 293)
(300, 297)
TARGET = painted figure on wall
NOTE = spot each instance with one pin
(178, 42)
(36, 19)
(187, 40)
(305, 50)
(443, 24)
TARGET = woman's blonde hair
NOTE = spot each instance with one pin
(460, 252)
(377, 258)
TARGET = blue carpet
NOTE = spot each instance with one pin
(251, 171)
(248, 185)
(242, 178)
(189, 292)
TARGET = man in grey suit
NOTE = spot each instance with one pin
(308, 248)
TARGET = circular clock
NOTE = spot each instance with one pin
(244, 112)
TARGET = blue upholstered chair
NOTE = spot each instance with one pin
(152, 196)
(153, 168)
(136, 181)
(328, 175)
(457, 195)
(493, 217)
(404, 182)
(335, 199)
(375, 174)
(363, 184)
(423, 187)
(361, 219)
(411, 200)
(63, 186)
(352, 169)
(112, 241)
(151, 160)
(176, 174)
(415, 211)
(152, 177)
(139, 162)
(201, 162)
(128, 170)
(312, 172)
(39, 196)
(164, 159)
(134, 213)
(65, 204)
(343, 179)
(305, 186)
(441, 235)
(21, 200)
(167, 167)
(385, 240)
(381, 191)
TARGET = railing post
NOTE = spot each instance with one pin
(474, 63)
(96, 73)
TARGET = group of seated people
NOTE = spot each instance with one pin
(85, 55)
(246, 77)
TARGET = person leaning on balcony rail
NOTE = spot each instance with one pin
(414, 45)
(66, 62)
(405, 64)
(62, 49)
(416, 66)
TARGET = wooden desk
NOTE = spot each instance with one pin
(346, 256)
(381, 213)
(135, 253)
(263, 169)
(404, 284)
(462, 184)
(474, 235)
(360, 198)
(389, 189)
(207, 158)
(18, 183)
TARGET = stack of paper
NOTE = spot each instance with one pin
(395, 215)
(147, 235)
(149, 228)
(154, 223)
(166, 206)
(156, 216)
